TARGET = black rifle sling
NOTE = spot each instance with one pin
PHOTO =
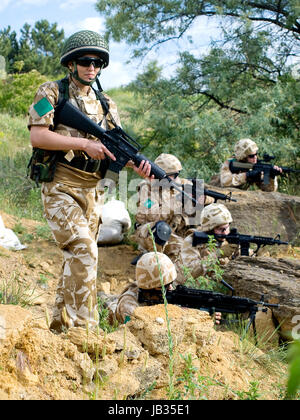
(63, 96)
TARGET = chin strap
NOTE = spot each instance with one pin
(76, 76)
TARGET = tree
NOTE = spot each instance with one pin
(8, 46)
(243, 87)
(151, 23)
(38, 48)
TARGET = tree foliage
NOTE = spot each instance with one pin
(151, 23)
(244, 86)
(37, 48)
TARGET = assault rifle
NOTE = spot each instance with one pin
(236, 238)
(209, 301)
(117, 141)
(195, 191)
(214, 194)
(261, 166)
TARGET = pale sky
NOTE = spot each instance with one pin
(75, 15)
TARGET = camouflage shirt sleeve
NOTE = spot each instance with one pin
(148, 209)
(194, 257)
(228, 179)
(41, 111)
(127, 302)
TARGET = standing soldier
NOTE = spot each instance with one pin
(245, 151)
(72, 203)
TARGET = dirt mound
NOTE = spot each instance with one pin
(36, 364)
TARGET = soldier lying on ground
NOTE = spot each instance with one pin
(147, 273)
(158, 202)
(245, 151)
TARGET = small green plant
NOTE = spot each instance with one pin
(252, 394)
(43, 232)
(12, 292)
(171, 390)
(43, 280)
(211, 281)
(293, 385)
(189, 377)
(104, 322)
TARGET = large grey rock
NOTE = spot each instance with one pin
(264, 213)
(278, 280)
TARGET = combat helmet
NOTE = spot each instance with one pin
(147, 270)
(245, 147)
(169, 163)
(214, 215)
(82, 43)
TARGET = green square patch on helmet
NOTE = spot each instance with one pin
(85, 42)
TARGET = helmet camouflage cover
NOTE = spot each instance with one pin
(85, 42)
(214, 215)
(169, 163)
(147, 270)
(245, 147)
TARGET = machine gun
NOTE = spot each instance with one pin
(236, 238)
(117, 141)
(263, 166)
(211, 302)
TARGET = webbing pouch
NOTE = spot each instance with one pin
(42, 165)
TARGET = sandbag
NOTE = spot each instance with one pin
(115, 210)
(115, 222)
(8, 239)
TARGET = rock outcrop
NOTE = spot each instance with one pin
(264, 213)
(131, 361)
(277, 279)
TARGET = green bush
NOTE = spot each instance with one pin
(18, 90)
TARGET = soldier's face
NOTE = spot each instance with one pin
(167, 287)
(222, 230)
(87, 73)
(252, 158)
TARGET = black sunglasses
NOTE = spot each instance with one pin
(87, 61)
(252, 156)
(174, 174)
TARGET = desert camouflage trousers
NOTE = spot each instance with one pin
(74, 216)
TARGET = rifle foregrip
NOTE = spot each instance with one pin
(155, 169)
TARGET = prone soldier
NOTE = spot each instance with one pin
(215, 219)
(197, 255)
(151, 269)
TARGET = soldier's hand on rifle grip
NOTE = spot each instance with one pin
(96, 150)
(276, 170)
(217, 317)
(254, 176)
